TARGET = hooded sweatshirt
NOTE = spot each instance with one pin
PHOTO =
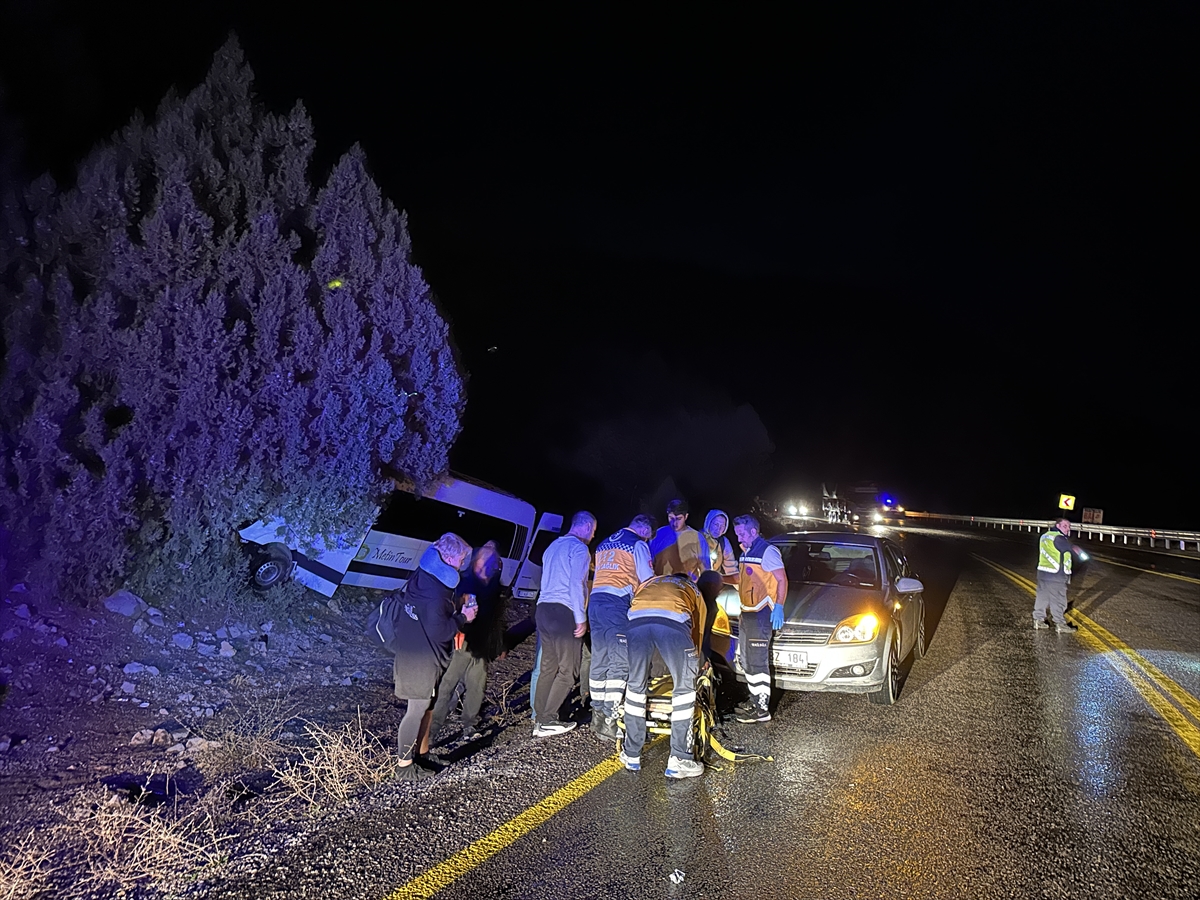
(720, 551)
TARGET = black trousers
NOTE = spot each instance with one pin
(561, 652)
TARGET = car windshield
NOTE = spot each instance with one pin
(829, 563)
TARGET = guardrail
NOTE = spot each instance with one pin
(1150, 535)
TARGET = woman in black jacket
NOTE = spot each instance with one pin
(483, 642)
(424, 641)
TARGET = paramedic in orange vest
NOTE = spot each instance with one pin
(667, 615)
(622, 564)
(762, 587)
(677, 547)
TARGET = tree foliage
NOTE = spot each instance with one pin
(196, 336)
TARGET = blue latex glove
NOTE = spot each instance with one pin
(777, 616)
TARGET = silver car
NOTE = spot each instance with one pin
(854, 613)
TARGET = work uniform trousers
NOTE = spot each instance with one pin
(1051, 597)
(561, 652)
(472, 671)
(754, 648)
(673, 641)
(608, 621)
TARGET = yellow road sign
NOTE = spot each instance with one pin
(1066, 501)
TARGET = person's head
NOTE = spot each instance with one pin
(1063, 524)
(677, 513)
(583, 526)
(486, 561)
(746, 529)
(716, 523)
(642, 527)
(453, 550)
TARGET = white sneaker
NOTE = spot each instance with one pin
(684, 768)
(549, 729)
(632, 763)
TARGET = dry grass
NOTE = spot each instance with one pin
(249, 738)
(27, 866)
(337, 766)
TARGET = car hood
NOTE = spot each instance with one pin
(829, 604)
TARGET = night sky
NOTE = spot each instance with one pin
(948, 250)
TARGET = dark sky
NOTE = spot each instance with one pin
(950, 250)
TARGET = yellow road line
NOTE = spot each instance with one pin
(1112, 562)
(1147, 679)
(445, 873)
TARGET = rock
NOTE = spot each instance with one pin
(125, 603)
(266, 627)
(145, 704)
(142, 738)
(183, 641)
(206, 649)
(153, 670)
(208, 712)
(22, 611)
(155, 616)
(140, 626)
(5, 742)
(133, 668)
(161, 738)
(327, 638)
(227, 649)
(223, 632)
(61, 642)
(179, 734)
(91, 670)
(177, 748)
(360, 675)
(195, 743)
(128, 687)
(11, 635)
(186, 698)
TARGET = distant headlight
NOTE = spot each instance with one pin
(804, 510)
(856, 630)
(1083, 557)
(792, 510)
(877, 517)
(856, 517)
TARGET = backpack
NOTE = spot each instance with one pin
(381, 624)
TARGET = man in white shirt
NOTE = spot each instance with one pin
(562, 621)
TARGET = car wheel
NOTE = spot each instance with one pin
(890, 689)
(919, 645)
(272, 566)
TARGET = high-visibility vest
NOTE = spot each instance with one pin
(1049, 557)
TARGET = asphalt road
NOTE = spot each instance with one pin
(1015, 764)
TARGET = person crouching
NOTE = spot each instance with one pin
(667, 614)
(424, 643)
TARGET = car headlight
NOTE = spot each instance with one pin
(856, 630)
(878, 517)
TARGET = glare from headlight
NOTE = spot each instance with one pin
(856, 629)
(804, 510)
(1083, 557)
(877, 517)
(792, 509)
(856, 517)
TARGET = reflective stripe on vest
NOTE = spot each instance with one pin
(1048, 555)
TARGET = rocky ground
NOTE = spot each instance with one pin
(128, 731)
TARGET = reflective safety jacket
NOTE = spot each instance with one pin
(622, 564)
(674, 551)
(757, 585)
(1053, 556)
(673, 597)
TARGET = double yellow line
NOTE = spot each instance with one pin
(1174, 705)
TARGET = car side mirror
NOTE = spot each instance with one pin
(909, 586)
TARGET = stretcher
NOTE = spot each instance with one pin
(705, 721)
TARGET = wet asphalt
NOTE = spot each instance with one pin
(1015, 764)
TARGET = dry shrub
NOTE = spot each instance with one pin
(249, 738)
(27, 866)
(337, 765)
(121, 845)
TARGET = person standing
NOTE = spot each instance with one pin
(424, 630)
(722, 569)
(562, 621)
(1053, 575)
(667, 616)
(677, 547)
(483, 642)
(622, 564)
(762, 588)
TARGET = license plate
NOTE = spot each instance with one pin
(793, 659)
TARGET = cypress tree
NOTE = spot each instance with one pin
(196, 337)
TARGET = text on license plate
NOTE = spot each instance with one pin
(795, 659)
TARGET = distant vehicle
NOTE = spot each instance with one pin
(854, 613)
(385, 554)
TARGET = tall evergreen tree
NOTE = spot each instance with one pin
(196, 337)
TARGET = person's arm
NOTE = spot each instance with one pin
(773, 563)
(643, 565)
(580, 562)
(699, 618)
